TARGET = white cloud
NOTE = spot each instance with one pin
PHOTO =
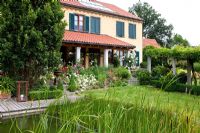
(182, 14)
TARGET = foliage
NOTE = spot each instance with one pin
(178, 52)
(143, 64)
(6, 84)
(73, 85)
(116, 62)
(122, 73)
(119, 109)
(118, 83)
(45, 94)
(154, 26)
(182, 77)
(30, 37)
(86, 81)
(179, 40)
(60, 85)
(159, 71)
(197, 67)
(143, 76)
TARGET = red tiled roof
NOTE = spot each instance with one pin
(150, 42)
(116, 10)
(94, 39)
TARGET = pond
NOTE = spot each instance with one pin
(28, 123)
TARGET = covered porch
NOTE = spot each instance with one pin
(88, 49)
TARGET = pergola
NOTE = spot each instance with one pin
(191, 54)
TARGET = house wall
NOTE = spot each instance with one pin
(108, 26)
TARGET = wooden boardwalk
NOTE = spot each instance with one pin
(10, 108)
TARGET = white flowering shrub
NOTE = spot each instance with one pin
(86, 81)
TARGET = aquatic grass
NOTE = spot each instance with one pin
(117, 110)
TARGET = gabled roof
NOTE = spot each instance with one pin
(72, 37)
(112, 9)
(150, 42)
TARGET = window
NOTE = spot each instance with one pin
(132, 31)
(95, 25)
(78, 23)
(120, 29)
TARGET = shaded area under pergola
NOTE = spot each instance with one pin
(191, 54)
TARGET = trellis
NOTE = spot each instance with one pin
(191, 54)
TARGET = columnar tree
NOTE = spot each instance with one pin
(31, 34)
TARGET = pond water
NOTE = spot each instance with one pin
(28, 123)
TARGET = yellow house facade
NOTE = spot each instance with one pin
(106, 22)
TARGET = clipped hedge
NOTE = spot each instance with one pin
(177, 87)
(45, 94)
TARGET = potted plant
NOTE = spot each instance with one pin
(6, 86)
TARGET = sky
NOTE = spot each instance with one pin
(184, 15)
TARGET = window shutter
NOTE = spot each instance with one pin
(86, 23)
(134, 31)
(92, 30)
(130, 31)
(117, 29)
(122, 27)
(98, 26)
(71, 21)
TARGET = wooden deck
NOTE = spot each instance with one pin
(10, 108)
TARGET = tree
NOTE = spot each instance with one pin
(179, 40)
(31, 35)
(154, 26)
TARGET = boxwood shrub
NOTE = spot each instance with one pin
(143, 76)
(45, 94)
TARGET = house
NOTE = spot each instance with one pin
(150, 42)
(97, 30)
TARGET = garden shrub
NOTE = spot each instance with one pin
(143, 76)
(73, 86)
(143, 64)
(86, 81)
(159, 71)
(60, 85)
(7, 85)
(182, 77)
(168, 80)
(118, 83)
(122, 73)
(197, 67)
(116, 62)
(45, 94)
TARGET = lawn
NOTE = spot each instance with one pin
(150, 97)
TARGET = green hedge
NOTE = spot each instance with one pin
(177, 87)
(45, 94)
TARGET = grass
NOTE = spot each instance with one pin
(151, 97)
(137, 109)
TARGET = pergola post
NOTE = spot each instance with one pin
(149, 64)
(189, 70)
(106, 57)
(78, 54)
(174, 66)
(121, 57)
